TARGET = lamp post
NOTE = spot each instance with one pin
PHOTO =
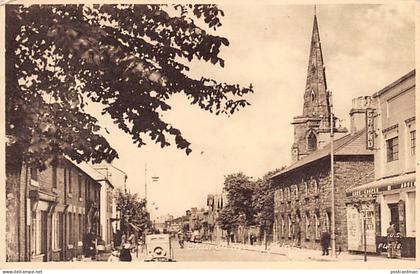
(333, 253)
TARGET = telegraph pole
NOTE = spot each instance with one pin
(333, 253)
(145, 184)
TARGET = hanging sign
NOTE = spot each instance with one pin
(370, 129)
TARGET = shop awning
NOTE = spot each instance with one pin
(381, 185)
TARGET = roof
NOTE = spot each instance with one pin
(351, 144)
(396, 82)
(88, 170)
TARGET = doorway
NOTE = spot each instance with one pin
(393, 208)
(44, 238)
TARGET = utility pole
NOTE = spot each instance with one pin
(145, 183)
(333, 253)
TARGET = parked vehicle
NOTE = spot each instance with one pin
(158, 248)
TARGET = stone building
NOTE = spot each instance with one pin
(312, 128)
(391, 196)
(303, 190)
(49, 221)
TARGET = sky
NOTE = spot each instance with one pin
(365, 48)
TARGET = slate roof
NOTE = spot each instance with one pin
(351, 144)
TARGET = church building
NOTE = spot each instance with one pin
(302, 197)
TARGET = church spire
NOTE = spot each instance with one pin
(316, 99)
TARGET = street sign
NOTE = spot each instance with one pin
(370, 129)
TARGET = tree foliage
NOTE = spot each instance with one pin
(239, 211)
(263, 201)
(132, 211)
(129, 58)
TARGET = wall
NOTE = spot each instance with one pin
(349, 172)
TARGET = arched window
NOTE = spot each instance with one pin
(307, 226)
(312, 95)
(327, 221)
(312, 141)
(317, 226)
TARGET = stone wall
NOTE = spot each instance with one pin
(314, 204)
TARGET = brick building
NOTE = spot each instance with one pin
(303, 190)
(391, 196)
(47, 216)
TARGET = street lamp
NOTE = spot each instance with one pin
(333, 253)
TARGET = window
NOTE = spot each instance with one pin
(413, 142)
(283, 232)
(316, 186)
(327, 222)
(296, 188)
(69, 180)
(317, 226)
(80, 228)
(307, 226)
(34, 174)
(392, 149)
(54, 175)
(80, 185)
(312, 141)
(305, 185)
(281, 195)
(289, 223)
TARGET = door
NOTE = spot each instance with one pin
(395, 216)
(61, 235)
(44, 237)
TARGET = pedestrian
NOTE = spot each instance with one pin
(114, 256)
(298, 234)
(325, 241)
(390, 232)
(125, 254)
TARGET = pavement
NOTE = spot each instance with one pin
(303, 254)
(235, 252)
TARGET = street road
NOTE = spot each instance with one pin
(207, 252)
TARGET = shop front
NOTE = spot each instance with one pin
(371, 208)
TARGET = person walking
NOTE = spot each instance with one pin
(325, 241)
(125, 254)
(390, 232)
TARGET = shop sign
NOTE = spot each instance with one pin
(370, 129)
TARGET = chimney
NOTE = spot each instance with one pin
(358, 112)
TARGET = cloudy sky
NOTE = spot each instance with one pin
(365, 47)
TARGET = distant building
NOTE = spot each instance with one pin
(302, 197)
(391, 196)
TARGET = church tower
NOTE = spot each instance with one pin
(312, 128)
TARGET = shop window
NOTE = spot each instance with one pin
(392, 149)
(413, 142)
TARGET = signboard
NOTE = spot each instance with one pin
(355, 228)
(370, 129)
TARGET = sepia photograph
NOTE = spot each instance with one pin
(150, 134)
